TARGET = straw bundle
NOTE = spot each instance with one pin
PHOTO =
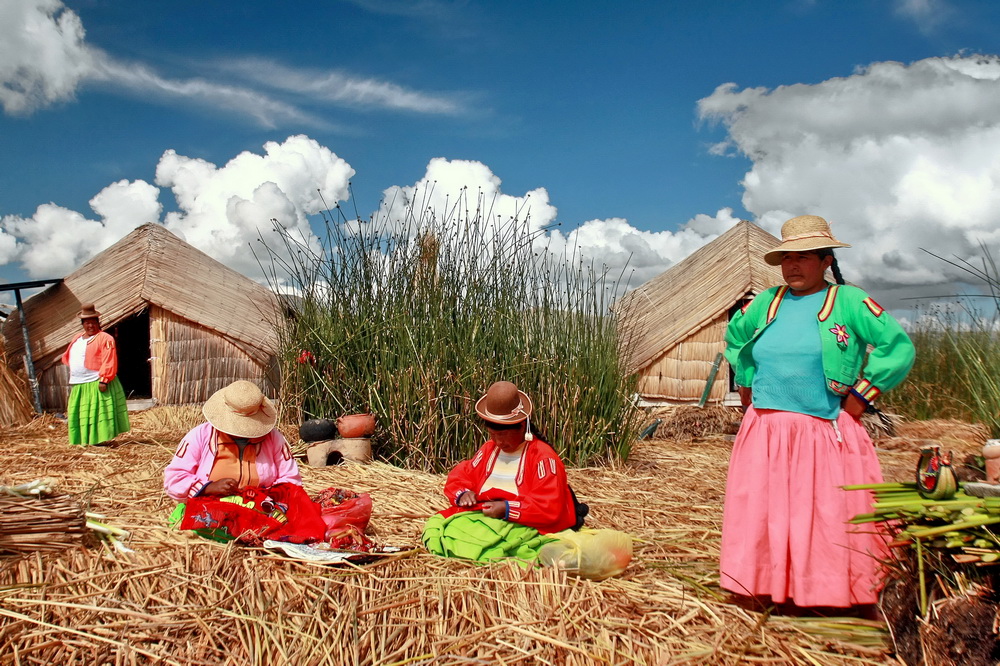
(15, 406)
(40, 523)
(688, 422)
(181, 600)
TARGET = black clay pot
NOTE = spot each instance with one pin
(315, 430)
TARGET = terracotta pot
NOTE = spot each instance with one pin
(356, 425)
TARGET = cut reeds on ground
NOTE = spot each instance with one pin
(178, 599)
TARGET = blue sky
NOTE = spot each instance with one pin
(614, 118)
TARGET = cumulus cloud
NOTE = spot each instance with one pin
(43, 56)
(224, 211)
(45, 59)
(55, 240)
(458, 191)
(897, 157)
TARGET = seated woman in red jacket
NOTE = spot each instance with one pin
(514, 487)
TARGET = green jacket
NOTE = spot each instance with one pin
(849, 322)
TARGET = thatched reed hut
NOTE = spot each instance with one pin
(185, 324)
(15, 405)
(678, 319)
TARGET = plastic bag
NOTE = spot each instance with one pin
(592, 554)
(342, 508)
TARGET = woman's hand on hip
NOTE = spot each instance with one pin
(102, 386)
(746, 395)
(854, 405)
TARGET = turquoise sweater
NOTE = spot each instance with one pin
(849, 321)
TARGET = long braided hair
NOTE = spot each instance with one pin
(834, 267)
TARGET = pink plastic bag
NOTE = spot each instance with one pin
(342, 508)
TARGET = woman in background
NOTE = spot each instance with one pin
(798, 351)
(97, 411)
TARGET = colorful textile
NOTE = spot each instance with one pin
(784, 528)
(281, 513)
(93, 416)
(191, 467)
(543, 499)
(101, 355)
(847, 324)
(470, 535)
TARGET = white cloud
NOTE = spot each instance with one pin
(55, 240)
(223, 211)
(452, 191)
(926, 14)
(43, 57)
(340, 88)
(897, 157)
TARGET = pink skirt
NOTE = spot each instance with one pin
(784, 528)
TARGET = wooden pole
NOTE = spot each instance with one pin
(710, 380)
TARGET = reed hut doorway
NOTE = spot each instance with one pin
(132, 340)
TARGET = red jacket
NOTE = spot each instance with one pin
(543, 499)
(100, 355)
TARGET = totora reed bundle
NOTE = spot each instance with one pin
(36, 523)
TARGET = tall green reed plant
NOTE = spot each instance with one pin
(957, 371)
(413, 316)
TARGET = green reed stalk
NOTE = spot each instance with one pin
(413, 316)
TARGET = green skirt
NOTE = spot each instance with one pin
(472, 536)
(94, 417)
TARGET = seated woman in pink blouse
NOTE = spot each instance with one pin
(236, 472)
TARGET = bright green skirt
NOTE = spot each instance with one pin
(94, 417)
(472, 536)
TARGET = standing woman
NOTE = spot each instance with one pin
(798, 351)
(97, 411)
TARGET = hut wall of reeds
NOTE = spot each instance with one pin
(15, 403)
(678, 319)
(185, 324)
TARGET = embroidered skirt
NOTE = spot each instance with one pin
(784, 528)
(94, 417)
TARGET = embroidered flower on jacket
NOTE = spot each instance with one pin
(841, 332)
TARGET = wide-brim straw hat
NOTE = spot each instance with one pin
(800, 234)
(241, 410)
(504, 404)
(88, 311)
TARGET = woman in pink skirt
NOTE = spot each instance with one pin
(797, 351)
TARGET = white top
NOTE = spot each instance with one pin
(78, 373)
(504, 474)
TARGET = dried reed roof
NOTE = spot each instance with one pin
(691, 294)
(149, 266)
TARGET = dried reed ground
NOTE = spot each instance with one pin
(182, 600)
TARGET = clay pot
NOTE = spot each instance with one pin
(991, 452)
(356, 425)
(315, 430)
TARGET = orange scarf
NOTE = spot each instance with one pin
(235, 459)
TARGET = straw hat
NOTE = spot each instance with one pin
(802, 233)
(504, 404)
(241, 410)
(88, 311)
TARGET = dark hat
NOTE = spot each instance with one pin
(504, 404)
(88, 311)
